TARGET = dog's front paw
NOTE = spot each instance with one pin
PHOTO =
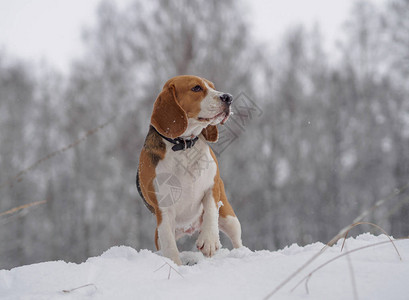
(208, 243)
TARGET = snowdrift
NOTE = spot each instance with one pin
(124, 273)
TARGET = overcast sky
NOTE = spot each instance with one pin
(50, 30)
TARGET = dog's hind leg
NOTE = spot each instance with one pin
(230, 225)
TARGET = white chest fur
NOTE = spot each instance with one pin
(192, 171)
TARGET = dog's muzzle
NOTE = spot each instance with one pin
(226, 98)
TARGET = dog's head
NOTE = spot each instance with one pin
(190, 105)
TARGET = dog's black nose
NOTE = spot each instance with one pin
(227, 98)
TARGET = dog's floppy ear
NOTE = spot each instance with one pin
(210, 133)
(168, 117)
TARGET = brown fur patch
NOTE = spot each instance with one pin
(219, 193)
(168, 117)
(156, 239)
(210, 133)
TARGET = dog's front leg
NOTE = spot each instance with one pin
(208, 241)
(166, 234)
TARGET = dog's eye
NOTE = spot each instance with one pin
(197, 88)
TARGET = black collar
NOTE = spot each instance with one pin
(180, 144)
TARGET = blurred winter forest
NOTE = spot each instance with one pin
(330, 140)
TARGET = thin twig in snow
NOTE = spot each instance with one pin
(170, 269)
(80, 287)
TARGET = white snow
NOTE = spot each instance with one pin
(124, 273)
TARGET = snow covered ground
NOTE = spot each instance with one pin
(124, 273)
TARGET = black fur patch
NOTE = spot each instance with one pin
(154, 145)
(150, 207)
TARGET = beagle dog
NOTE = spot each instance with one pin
(178, 176)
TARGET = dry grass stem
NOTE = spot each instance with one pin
(21, 207)
(337, 237)
(170, 269)
(307, 277)
(80, 287)
(352, 276)
(21, 174)
(374, 225)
